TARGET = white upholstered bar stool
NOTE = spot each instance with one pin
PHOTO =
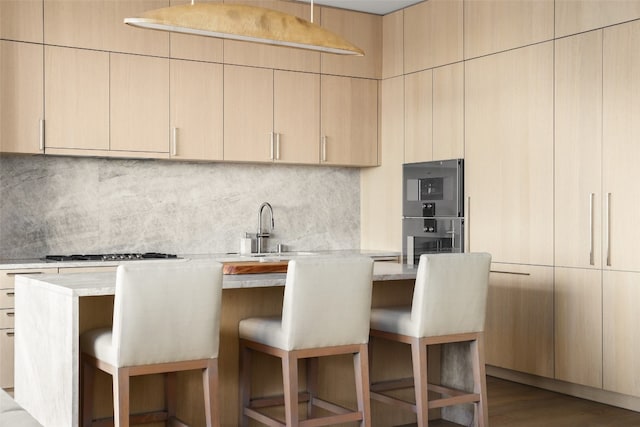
(166, 318)
(448, 306)
(325, 312)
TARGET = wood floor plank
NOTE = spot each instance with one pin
(517, 405)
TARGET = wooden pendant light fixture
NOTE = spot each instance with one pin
(245, 23)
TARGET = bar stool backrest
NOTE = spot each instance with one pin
(166, 312)
(327, 302)
(450, 294)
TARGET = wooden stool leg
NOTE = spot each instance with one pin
(419, 360)
(480, 381)
(211, 393)
(170, 387)
(361, 368)
(312, 383)
(121, 397)
(88, 377)
(245, 384)
(290, 381)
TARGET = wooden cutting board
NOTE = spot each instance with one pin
(254, 267)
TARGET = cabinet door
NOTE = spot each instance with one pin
(393, 44)
(363, 30)
(248, 114)
(621, 343)
(493, 26)
(262, 55)
(418, 113)
(349, 118)
(509, 154)
(196, 110)
(6, 358)
(578, 326)
(432, 34)
(21, 97)
(21, 20)
(574, 17)
(621, 150)
(578, 150)
(519, 322)
(76, 99)
(98, 24)
(448, 112)
(139, 104)
(296, 117)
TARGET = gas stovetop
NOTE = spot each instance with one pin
(110, 257)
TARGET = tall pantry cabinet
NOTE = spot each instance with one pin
(597, 206)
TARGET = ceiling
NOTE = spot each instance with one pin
(379, 7)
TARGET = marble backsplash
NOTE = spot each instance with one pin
(62, 205)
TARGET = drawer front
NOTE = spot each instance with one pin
(8, 277)
(7, 298)
(6, 358)
(7, 318)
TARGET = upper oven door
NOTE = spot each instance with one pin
(433, 189)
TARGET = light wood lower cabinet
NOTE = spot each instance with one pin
(578, 326)
(7, 316)
(519, 322)
(349, 121)
(621, 334)
(21, 102)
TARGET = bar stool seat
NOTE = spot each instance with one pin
(448, 306)
(166, 319)
(326, 311)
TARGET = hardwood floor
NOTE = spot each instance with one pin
(516, 405)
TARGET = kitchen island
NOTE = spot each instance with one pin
(54, 309)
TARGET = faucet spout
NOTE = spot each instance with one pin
(264, 233)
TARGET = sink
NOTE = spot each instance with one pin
(272, 255)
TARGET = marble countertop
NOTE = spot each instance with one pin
(103, 283)
(37, 263)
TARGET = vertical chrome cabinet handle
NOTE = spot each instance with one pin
(277, 146)
(41, 134)
(272, 136)
(323, 144)
(609, 229)
(174, 141)
(468, 221)
(591, 231)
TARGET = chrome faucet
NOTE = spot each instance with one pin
(262, 233)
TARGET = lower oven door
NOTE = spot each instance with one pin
(431, 235)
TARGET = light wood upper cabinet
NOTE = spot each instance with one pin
(493, 26)
(578, 326)
(363, 30)
(296, 117)
(621, 345)
(393, 44)
(621, 147)
(98, 24)
(21, 97)
(509, 154)
(197, 48)
(349, 121)
(519, 322)
(196, 110)
(448, 112)
(576, 16)
(261, 55)
(21, 20)
(76, 99)
(139, 107)
(248, 118)
(578, 150)
(432, 34)
(418, 117)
